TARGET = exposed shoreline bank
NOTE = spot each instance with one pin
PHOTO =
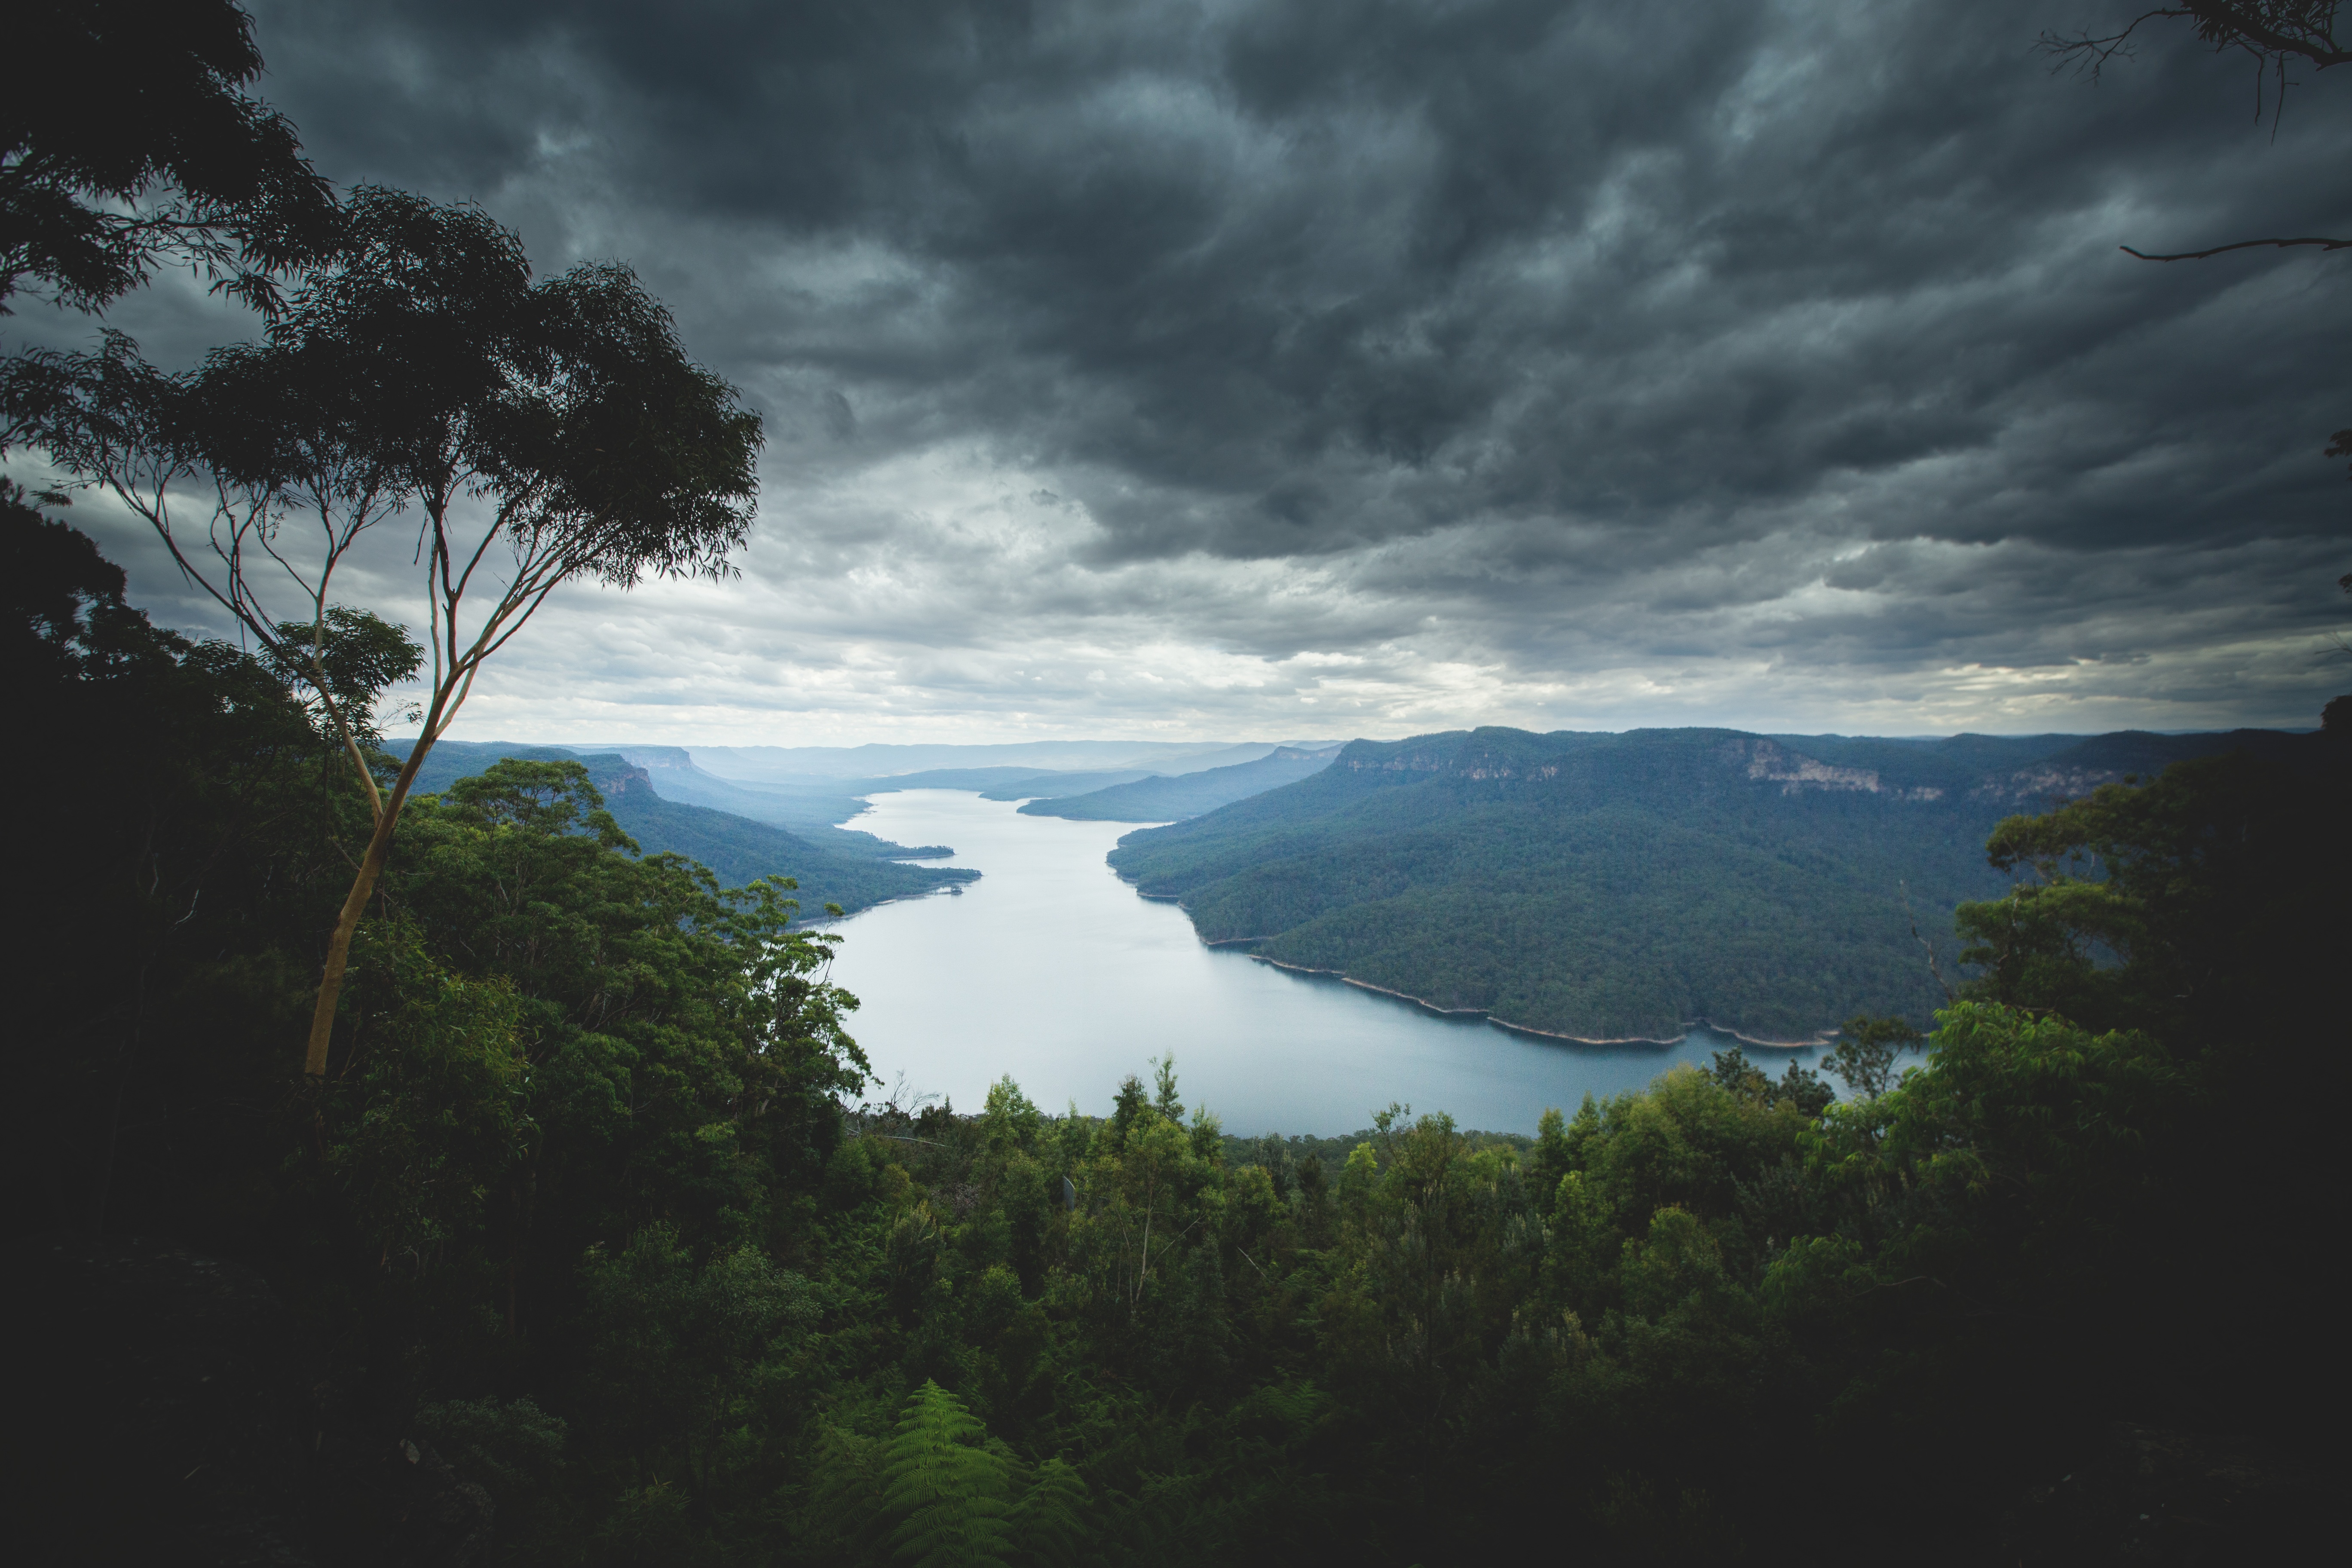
(945, 890)
(1760, 1042)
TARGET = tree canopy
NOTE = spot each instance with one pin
(127, 142)
(593, 1203)
(545, 431)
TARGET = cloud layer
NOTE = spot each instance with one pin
(1223, 369)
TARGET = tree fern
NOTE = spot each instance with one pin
(949, 1494)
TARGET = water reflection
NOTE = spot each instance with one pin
(1051, 969)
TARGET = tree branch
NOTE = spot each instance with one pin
(2271, 30)
(2324, 244)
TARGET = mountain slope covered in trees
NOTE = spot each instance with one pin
(853, 874)
(808, 806)
(1608, 886)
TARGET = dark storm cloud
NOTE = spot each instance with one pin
(1393, 366)
(1293, 277)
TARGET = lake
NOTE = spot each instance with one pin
(1052, 970)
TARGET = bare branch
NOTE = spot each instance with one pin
(2272, 31)
(1933, 967)
(2089, 56)
(2322, 243)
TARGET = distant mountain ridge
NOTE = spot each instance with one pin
(1602, 886)
(759, 764)
(1166, 799)
(1056, 785)
(790, 824)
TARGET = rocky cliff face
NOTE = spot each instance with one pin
(1432, 754)
(1771, 763)
(1492, 756)
(1964, 772)
(617, 776)
(2052, 782)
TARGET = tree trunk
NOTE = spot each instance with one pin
(339, 946)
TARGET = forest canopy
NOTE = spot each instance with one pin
(597, 1207)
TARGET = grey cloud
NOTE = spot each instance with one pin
(1291, 278)
(1561, 362)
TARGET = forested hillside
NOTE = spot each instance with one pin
(809, 808)
(591, 1246)
(1608, 886)
(813, 804)
(1190, 794)
(851, 871)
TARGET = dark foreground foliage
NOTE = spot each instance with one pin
(580, 1215)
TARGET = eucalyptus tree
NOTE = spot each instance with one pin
(126, 140)
(534, 432)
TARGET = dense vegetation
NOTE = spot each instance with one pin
(588, 1202)
(1187, 795)
(1613, 886)
(844, 870)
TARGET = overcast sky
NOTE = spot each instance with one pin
(1203, 369)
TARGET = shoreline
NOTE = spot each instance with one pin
(945, 890)
(1760, 1043)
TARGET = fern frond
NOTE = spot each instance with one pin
(949, 1493)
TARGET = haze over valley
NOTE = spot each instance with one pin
(1587, 886)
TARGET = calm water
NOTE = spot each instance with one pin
(1051, 969)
